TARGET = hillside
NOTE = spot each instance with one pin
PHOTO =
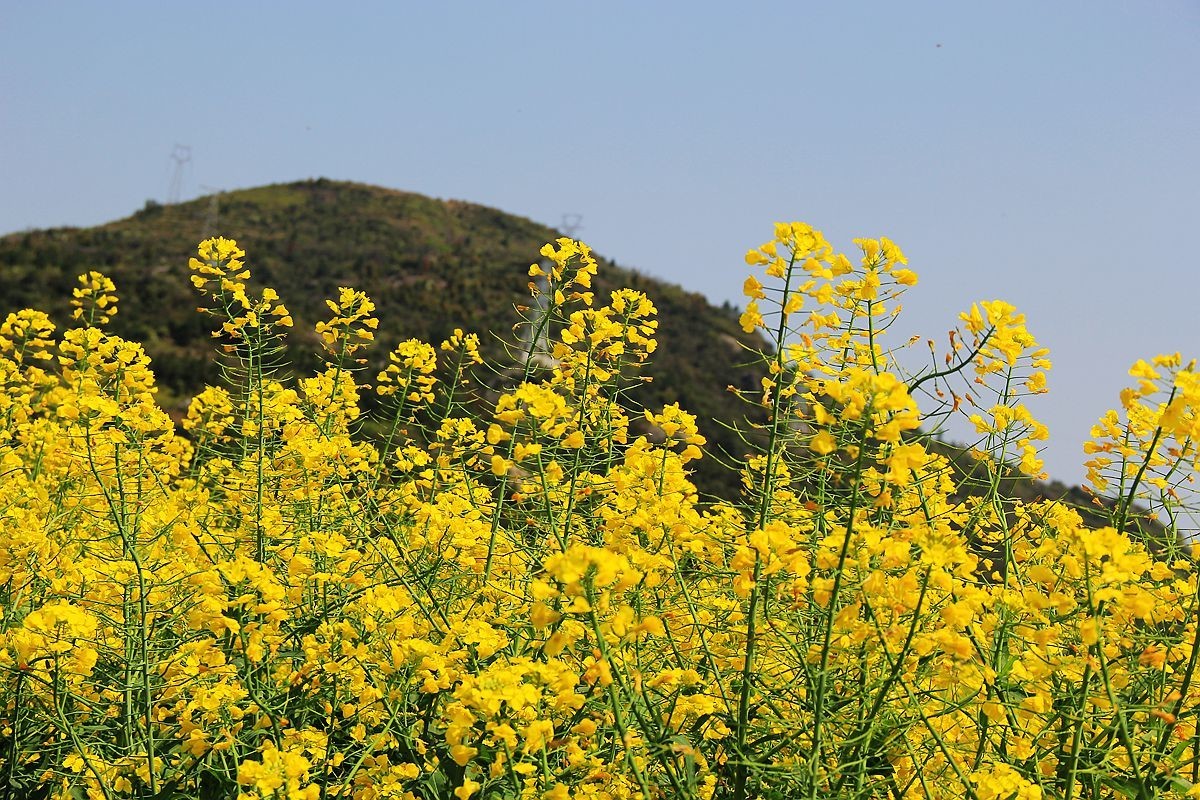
(429, 265)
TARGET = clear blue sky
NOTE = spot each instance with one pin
(1043, 153)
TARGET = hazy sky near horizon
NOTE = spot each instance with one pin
(1042, 153)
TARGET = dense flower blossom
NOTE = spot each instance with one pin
(518, 592)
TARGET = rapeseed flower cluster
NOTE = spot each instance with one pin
(276, 600)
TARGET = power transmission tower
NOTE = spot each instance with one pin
(571, 224)
(539, 351)
(181, 155)
(538, 326)
(212, 216)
